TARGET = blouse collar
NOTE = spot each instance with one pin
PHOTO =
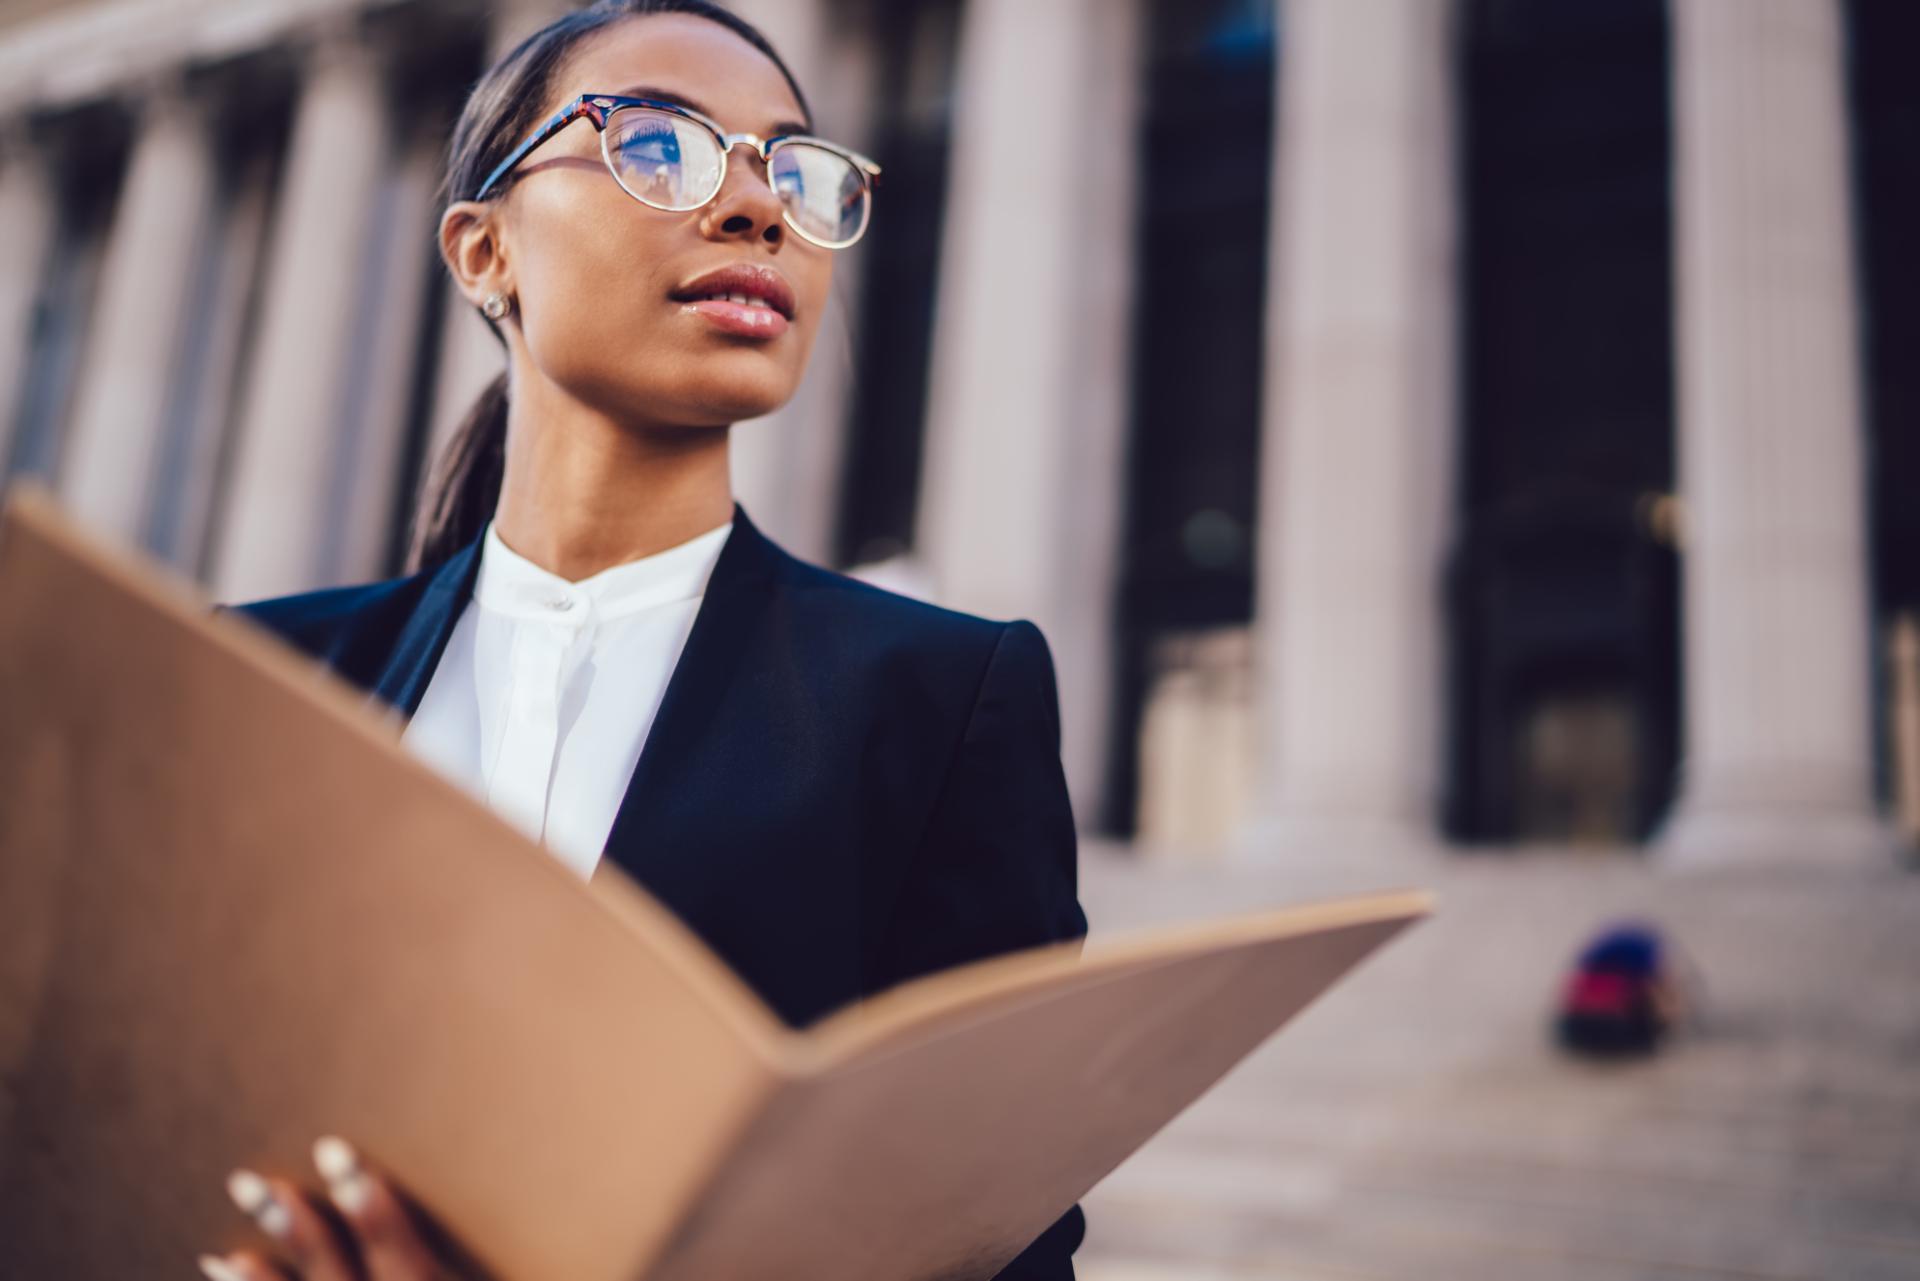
(511, 584)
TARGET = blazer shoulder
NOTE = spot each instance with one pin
(331, 621)
(897, 616)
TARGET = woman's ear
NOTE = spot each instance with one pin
(470, 245)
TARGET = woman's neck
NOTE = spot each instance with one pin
(581, 493)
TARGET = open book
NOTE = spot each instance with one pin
(235, 914)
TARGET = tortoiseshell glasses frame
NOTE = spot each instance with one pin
(857, 180)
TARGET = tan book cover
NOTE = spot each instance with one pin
(235, 914)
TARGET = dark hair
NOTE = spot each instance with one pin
(504, 107)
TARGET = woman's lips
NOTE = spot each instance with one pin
(743, 319)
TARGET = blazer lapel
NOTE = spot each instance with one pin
(737, 593)
(416, 653)
(727, 620)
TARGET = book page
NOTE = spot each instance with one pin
(240, 916)
(937, 1132)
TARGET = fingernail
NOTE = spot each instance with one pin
(216, 1268)
(256, 1200)
(339, 1165)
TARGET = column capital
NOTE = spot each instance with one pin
(172, 93)
(338, 41)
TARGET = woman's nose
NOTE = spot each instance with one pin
(746, 208)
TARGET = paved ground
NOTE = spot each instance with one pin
(1417, 1124)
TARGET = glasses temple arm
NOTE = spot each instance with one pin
(573, 111)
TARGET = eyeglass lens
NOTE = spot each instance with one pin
(673, 163)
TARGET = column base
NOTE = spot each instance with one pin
(1356, 848)
(1725, 838)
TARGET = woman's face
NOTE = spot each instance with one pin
(594, 272)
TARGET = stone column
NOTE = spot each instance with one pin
(27, 203)
(1777, 766)
(383, 366)
(186, 512)
(134, 343)
(787, 465)
(274, 531)
(1028, 398)
(1357, 438)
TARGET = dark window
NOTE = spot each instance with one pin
(1886, 116)
(887, 429)
(1886, 105)
(1204, 155)
(90, 149)
(1563, 592)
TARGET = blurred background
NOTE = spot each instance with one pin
(1459, 442)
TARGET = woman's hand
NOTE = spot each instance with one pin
(369, 1234)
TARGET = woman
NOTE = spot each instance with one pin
(840, 788)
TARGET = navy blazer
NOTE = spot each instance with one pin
(843, 787)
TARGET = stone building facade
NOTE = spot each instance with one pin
(1191, 339)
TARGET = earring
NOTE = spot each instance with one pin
(496, 306)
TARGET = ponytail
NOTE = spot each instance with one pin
(466, 481)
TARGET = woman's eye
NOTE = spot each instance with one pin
(651, 146)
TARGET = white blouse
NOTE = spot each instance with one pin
(547, 688)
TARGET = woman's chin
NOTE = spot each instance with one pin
(712, 391)
(734, 395)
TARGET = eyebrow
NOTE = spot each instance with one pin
(681, 100)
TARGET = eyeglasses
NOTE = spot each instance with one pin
(672, 158)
